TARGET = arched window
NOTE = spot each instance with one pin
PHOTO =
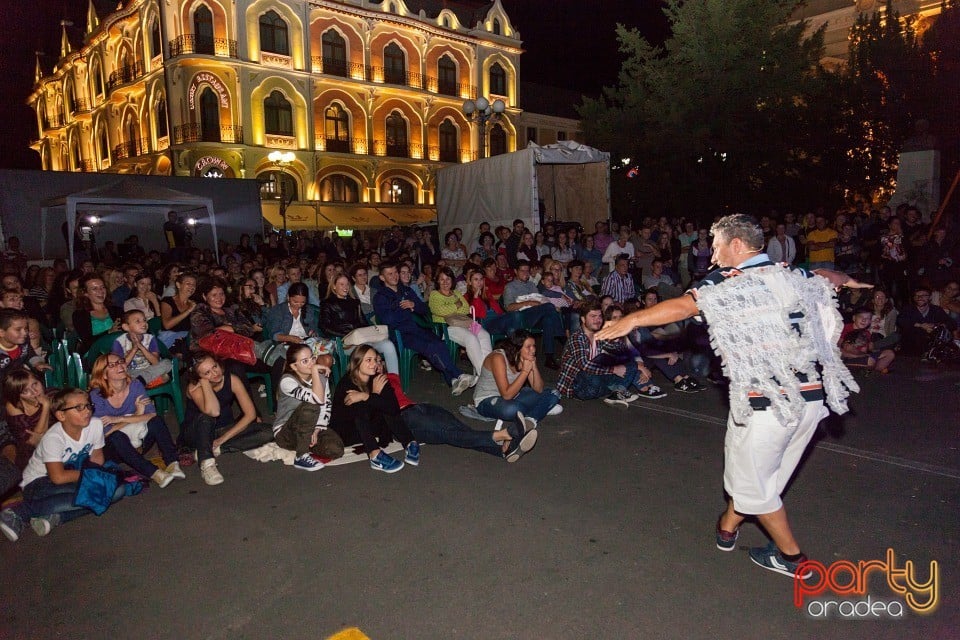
(446, 22)
(75, 153)
(334, 54)
(446, 76)
(161, 115)
(394, 65)
(203, 30)
(69, 100)
(273, 184)
(99, 88)
(104, 145)
(498, 80)
(277, 115)
(397, 136)
(397, 191)
(393, 8)
(156, 48)
(496, 26)
(273, 34)
(498, 141)
(339, 188)
(336, 126)
(209, 116)
(133, 138)
(449, 142)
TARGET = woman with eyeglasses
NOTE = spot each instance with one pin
(130, 421)
(52, 476)
(209, 426)
(303, 410)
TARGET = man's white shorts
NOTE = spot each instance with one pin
(761, 456)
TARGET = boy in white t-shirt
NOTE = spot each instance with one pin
(50, 480)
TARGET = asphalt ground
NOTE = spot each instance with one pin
(605, 530)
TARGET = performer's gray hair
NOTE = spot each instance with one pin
(739, 225)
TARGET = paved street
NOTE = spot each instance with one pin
(604, 531)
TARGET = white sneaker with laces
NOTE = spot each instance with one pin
(210, 473)
(174, 470)
(162, 478)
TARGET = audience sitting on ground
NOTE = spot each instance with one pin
(209, 426)
(511, 387)
(27, 408)
(921, 323)
(661, 281)
(140, 352)
(619, 282)
(365, 409)
(52, 476)
(304, 404)
(131, 425)
(857, 347)
(883, 320)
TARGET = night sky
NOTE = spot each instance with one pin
(568, 43)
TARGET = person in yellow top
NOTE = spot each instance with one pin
(445, 301)
(820, 243)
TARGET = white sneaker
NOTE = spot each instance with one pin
(174, 470)
(461, 384)
(210, 473)
(43, 525)
(557, 410)
(162, 478)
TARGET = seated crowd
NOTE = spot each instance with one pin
(322, 326)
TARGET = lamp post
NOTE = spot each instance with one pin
(282, 159)
(482, 111)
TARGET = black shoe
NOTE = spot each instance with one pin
(551, 363)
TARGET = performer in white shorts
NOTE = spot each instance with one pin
(776, 328)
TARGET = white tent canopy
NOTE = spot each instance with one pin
(572, 180)
(125, 196)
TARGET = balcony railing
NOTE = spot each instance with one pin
(364, 146)
(193, 132)
(130, 149)
(368, 73)
(125, 75)
(191, 43)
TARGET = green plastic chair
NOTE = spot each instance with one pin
(406, 357)
(443, 331)
(169, 390)
(100, 346)
(76, 376)
(267, 384)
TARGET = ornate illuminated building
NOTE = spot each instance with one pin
(839, 16)
(367, 95)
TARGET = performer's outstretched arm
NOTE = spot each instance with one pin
(839, 279)
(668, 311)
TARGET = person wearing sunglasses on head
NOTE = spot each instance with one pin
(52, 475)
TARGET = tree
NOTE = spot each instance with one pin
(712, 118)
(884, 92)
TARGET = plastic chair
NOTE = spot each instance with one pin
(100, 346)
(442, 329)
(76, 376)
(170, 389)
(406, 357)
(267, 384)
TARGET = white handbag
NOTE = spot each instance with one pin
(366, 335)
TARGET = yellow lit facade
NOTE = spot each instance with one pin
(366, 95)
(839, 16)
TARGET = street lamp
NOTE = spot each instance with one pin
(482, 111)
(282, 159)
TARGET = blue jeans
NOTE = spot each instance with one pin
(503, 323)
(527, 401)
(545, 316)
(44, 498)
(587, 386)
(431, 424)
(434, 350)
(119, 449)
